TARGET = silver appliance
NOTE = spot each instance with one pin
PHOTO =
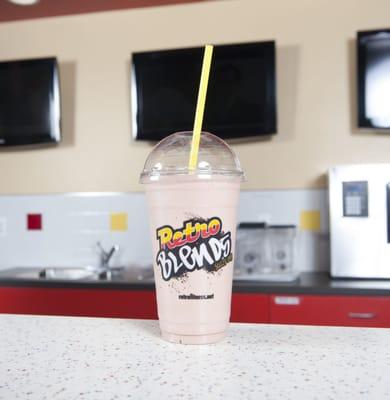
(359, 203)
(265, 252)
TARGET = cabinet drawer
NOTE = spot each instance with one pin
(330, 310)
(248, 307)
(79, 302)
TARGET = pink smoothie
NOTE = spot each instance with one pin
(193, 225)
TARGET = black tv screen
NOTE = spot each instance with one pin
(29, 102)
(373, 49)
(241, 96)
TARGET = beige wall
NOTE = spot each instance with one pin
(315, 90)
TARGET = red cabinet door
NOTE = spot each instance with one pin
(79, 302)
(250, 307)
(246, 307)
(361, 311)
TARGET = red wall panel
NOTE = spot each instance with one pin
(50, 8)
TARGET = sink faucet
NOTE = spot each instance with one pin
(105, 257)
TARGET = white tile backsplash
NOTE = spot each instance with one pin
(3, 226)
(283, 206)
(73, 223)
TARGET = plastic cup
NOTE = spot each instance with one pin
(193, 226)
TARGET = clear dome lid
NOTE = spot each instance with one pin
(171, 156)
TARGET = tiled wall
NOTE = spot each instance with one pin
(62, 230)
(71, 226)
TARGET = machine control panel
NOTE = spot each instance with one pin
(355, 199)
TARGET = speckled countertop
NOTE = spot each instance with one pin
(91, 358)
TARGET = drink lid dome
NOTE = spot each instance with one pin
(171, 156)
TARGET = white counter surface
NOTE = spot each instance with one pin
(92, 358)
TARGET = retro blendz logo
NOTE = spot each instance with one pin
(198, 244)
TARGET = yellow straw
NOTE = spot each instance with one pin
(204, 79)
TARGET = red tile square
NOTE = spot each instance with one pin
(34, 222)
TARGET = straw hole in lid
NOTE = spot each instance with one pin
(204, 165)
(157, 166)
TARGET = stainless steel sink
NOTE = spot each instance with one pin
(20, 273)
(51, 273)
(87, 273)
(70, 273)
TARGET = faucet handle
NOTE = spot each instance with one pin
(105, 256)
(111, 252)
(101, 248)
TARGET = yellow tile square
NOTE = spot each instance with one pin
(118, 221)
(310, 220)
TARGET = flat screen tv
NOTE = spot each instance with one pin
(29, 102)
(373, 50)
(241, 97)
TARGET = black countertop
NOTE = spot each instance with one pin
(318, 283)
(314, 283)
